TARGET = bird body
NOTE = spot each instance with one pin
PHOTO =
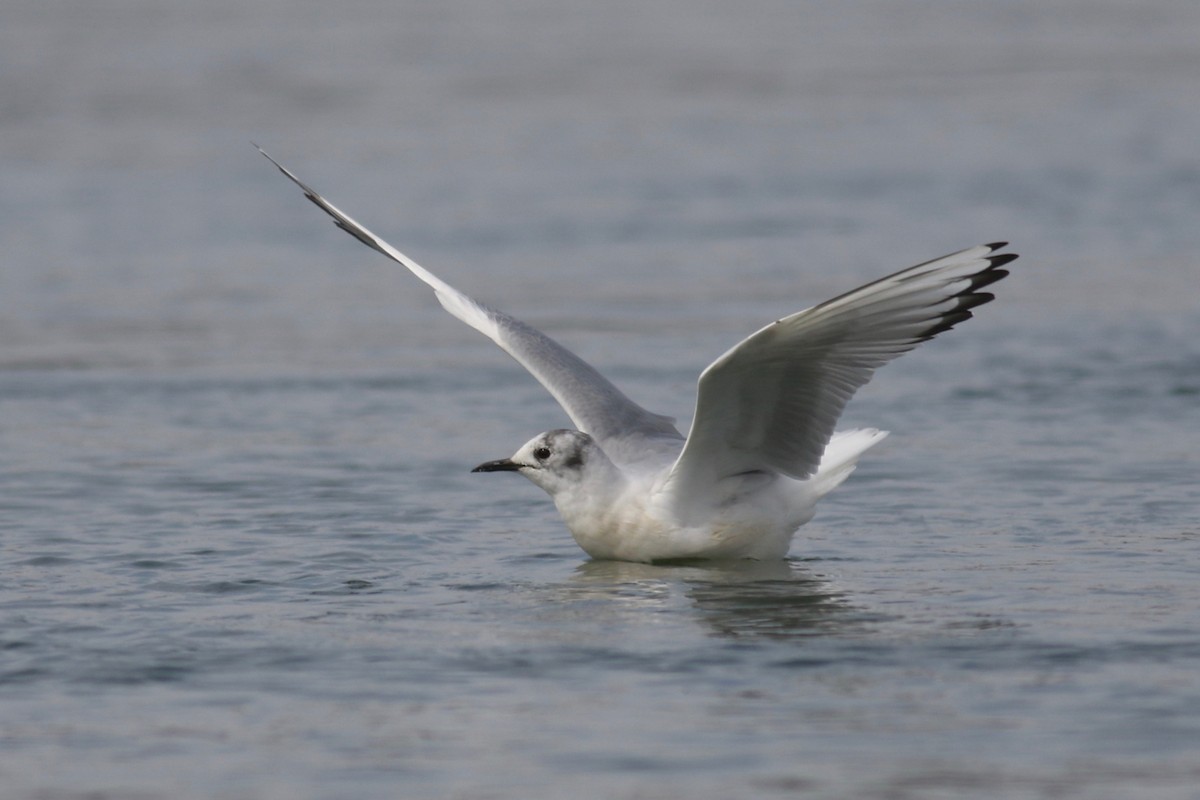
(762, 449)
(630, 513)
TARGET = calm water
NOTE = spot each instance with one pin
(242, 553)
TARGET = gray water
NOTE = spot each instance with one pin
(242, 553)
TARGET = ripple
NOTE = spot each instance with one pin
(351, 587)
(214, 587)
(47, 561)
(150, 563)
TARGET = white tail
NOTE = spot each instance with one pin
(841, 457)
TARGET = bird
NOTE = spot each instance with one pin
(762, 448)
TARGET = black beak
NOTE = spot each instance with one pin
(503, 465)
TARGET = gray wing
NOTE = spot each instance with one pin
(770, 404)
(590, 400)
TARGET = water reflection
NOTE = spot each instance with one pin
(773, 599)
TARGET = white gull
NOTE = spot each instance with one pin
(762, 449)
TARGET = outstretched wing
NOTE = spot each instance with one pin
(590, 400)
(770, 404)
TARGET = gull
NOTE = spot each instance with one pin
(761, 450)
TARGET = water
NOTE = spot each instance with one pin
(243, 556)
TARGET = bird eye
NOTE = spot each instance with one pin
(542, 453)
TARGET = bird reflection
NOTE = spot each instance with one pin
(771, 599)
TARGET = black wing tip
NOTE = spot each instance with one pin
(309, 192)
(338, 218)
(971, 297)
(357, 233)
(948, 321)
(986, 278)
(995, 262)
(999, 260)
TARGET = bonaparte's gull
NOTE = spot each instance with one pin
(762, 448)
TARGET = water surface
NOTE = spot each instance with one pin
(242, 553)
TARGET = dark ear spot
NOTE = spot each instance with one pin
(575, 461)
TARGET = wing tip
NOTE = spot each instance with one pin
(971, 297)
(339, 219)
(268, 157)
